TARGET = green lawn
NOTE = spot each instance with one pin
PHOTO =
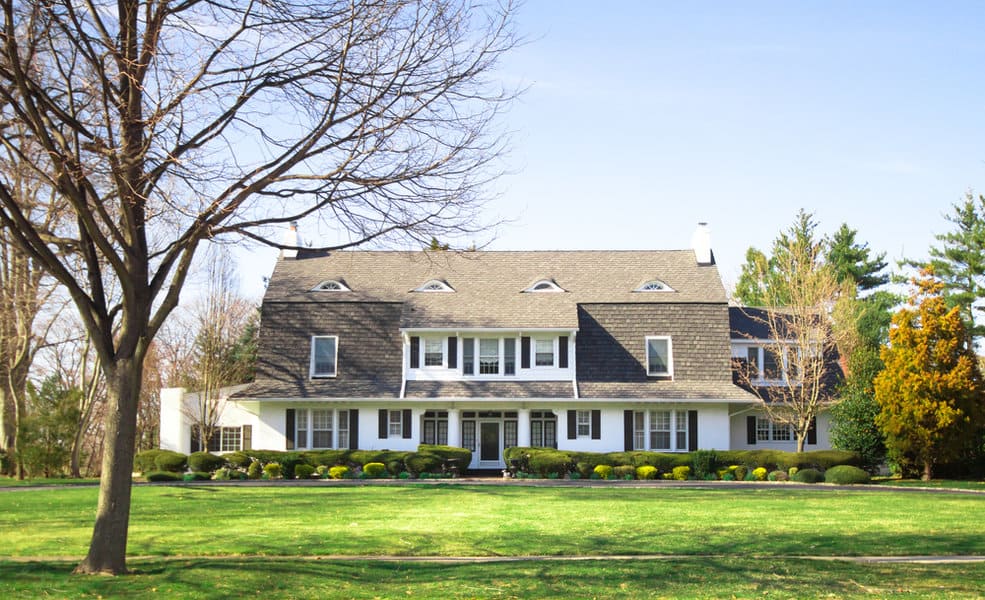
(740, 540)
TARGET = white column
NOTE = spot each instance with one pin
(175, 433)
(523, 427)
(454, 427)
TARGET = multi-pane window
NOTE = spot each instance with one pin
(434, 355)
(510, 433)
(321, 429)
(488, 356)
(772, 364)
(660, 429)
(435, 427)
(301, 429)
(468, 356)
(396, 423)
(509, 356)
(639, 430)
(232, 438)
(658, 356)
(468, 434)
(680, 420)
(324, 350)
(543, 429)
(767, 430)
(544, 352)
(584, 423)
(343, 429)
(776, 360)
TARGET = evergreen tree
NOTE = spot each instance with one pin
(49, 429)
(930, 391)
(765, 280)
(959, 262)
(852, 263)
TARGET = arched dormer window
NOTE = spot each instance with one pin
(544, 285)
(654, 285)
(331, 285)
(434, 285)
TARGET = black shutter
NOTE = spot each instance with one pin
(751, 431)
(627, 424)
(353, 429)
(289, 427)
(812, 432)
(572, 424)
(247, 437)
(596, 424)
(692, 430)
(415, 352)
(406, 423)
(525, 352)
(384, 424)
(196, 440)
(452, 352)
(562, 352)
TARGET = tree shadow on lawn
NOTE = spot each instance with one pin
(258, 576)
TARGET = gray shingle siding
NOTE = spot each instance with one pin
(369, 352)
(610, 345)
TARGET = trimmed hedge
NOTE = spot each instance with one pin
(808, 476)
(197, 476)
(846, 475)
(173, 462)
(205, 462)
(162, 476)
(143, 462)
(238, 460)
(303, 471)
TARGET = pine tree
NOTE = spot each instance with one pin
(930, 392)
(851, 261)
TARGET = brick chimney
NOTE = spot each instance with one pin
(291, 238)
(701, 243)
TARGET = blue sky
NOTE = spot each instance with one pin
(643, 118)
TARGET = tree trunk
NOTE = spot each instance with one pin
(76, 456)
(8, 428)
(107, 550)
(928, 470)
(800, 442)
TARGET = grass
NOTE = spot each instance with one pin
(688, 578)
(44, 481)
(953, 484)
(227, 541)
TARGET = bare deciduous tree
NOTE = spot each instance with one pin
(800, 371)
(165, 124)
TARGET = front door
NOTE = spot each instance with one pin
(490, 451)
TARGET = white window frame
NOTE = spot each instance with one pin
(443, 349)
(670, 355)
(783, 364)
(395, 427)
(435, 286)
(478, 357)
(544, 286)
(304, 427)
(675, 427)
(553, 343)
(654, 286)
(317, 427)
(583, 423)
(230, 439)
(331, 285)
(335, 360)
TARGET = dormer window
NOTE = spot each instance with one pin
(435, 285)
(332, 285)
(654, 285)
(544, 285)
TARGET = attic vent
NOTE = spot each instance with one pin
(654, 285)
(331, 285)
(435, 285)
(544, 285)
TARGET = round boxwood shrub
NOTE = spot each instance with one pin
(338, 471)
(740, 472)
(646, 472)
(197, 476)
(239, 460)
(624, 472)
(255, 470)
(681, 473)
(272, 471)
(162, 476)
(374, 469)
(778, 475)
(205, 462)
(303, 471)
(846, 475)
(808, 476)
(422, 462)
(759, 473)
(603, 471)
(168, 460)
(145, 462)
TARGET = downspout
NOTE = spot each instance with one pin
(574, 363)
(403, 364)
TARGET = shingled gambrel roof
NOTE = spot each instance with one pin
(490, 285)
